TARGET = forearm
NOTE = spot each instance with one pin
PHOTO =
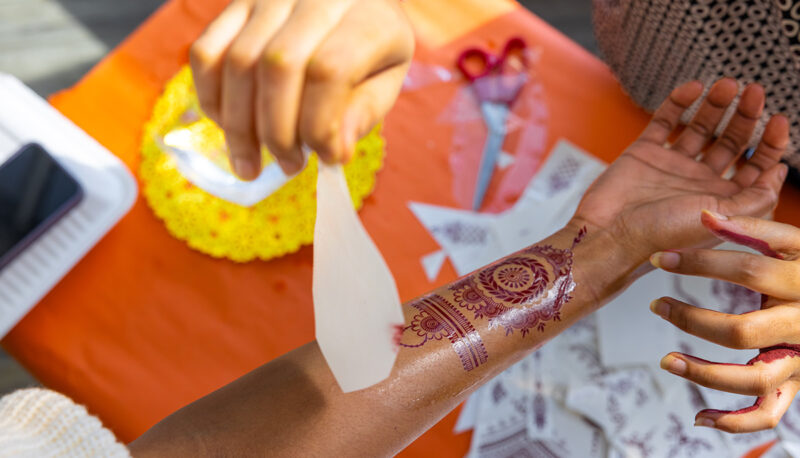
(455, 338)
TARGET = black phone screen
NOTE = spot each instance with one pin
(34, 192)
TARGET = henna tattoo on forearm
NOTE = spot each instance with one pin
(520, 292)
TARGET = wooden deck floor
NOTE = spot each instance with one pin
(50, 44)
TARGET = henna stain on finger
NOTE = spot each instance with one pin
(751, 242)
(716, 412)
(716, 228)
(765, 355)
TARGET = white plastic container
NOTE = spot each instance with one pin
(109, 192)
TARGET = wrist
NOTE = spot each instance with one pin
(604, 263)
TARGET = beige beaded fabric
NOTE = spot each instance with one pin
(655, 45)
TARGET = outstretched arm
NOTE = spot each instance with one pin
(455, 338)
(460, 335)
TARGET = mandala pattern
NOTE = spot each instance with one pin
(493, 280)
(514, 277)
(511, 293)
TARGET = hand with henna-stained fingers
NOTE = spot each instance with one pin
(773, 375)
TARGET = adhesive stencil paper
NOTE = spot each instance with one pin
(357, 309)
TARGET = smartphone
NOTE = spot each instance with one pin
(35, 192)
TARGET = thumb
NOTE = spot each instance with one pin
(761, 197)
(369, 104)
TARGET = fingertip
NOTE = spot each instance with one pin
(291, 162)
(352, 131)
(695, 86)
(246, 168)
(711, 220)
(752, 102)
(328, 155)
(708, 215)
(753, 90)
(687, 93)
(727, 87)
(666, 260)
(674, 364)
(704, 421)
(780, 120)
(661, 308)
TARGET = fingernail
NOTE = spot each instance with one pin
(660, 308)
(783, 172)
(244, 167)
(716, 215)
(675, 365)
(702, 421)
(665, 260)
(290, 167)
(349, 134)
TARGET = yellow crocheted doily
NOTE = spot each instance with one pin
(280, 224)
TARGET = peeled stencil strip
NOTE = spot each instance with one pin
(357, 309)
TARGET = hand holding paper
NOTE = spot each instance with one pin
(284, 73)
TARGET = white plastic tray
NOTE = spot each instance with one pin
(109, 192)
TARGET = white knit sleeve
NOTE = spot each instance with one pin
(41, 423)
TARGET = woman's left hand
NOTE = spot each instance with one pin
(773, 375)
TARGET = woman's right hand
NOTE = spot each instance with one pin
(287, 73)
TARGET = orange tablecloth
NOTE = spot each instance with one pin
(144, 325)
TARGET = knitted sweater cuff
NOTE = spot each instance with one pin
(39, 422)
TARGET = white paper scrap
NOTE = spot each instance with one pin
(352, 284)
(432, 264)
(504, 160)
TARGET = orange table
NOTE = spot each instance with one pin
(144, 325)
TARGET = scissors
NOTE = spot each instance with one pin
(497, 81)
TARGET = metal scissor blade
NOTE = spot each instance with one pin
(495, 116)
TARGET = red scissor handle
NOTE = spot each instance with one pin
(515, 46)
(475, 63)
(472, 57)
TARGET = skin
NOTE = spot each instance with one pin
(288, 73)
(292, 405)
(774, 375)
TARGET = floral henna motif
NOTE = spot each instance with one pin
(521, 292)
(438, 319)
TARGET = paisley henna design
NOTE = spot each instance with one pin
(522, 292)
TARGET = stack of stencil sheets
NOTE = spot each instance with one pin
(595, 390)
